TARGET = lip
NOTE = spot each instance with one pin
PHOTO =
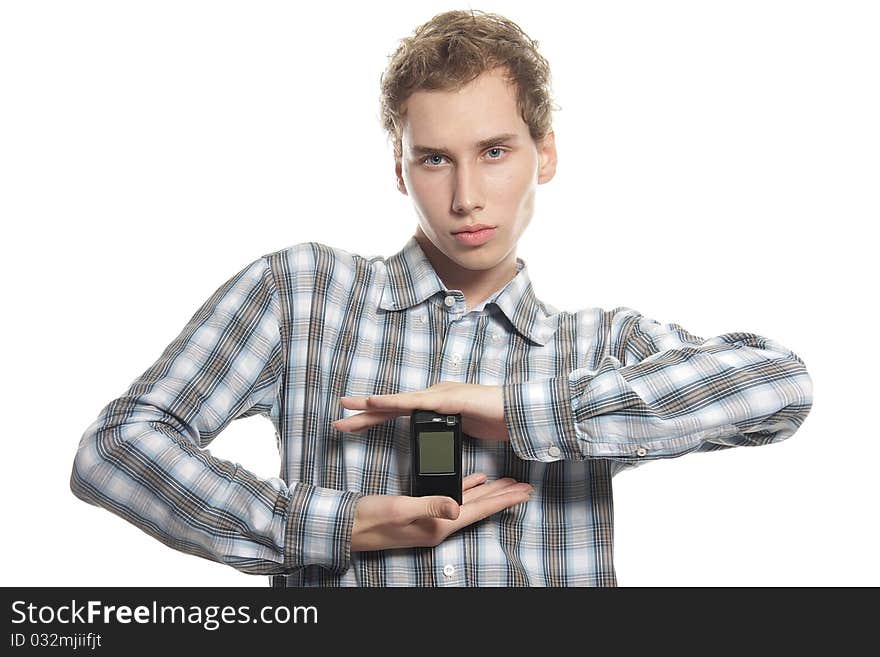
(475, 237)
(472, 228)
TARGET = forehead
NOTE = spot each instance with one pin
(483, 107)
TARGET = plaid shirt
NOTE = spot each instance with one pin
(586, 395)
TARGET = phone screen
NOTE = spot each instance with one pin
(436, 452)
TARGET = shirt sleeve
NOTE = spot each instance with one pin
(674, 393)
(143, 458)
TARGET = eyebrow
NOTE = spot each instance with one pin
(484, 143)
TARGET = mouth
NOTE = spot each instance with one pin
(476, 237)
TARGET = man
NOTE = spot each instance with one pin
(337, 349)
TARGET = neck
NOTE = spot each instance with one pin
(476, 284)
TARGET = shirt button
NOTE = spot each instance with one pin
(496, 337)
(641, 451)
(423, 319)
(456, 361)
(449, 301)
(449, 570)
(554, 451)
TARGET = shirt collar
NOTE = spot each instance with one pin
(411, 279)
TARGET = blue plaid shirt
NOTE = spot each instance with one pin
(586, 395)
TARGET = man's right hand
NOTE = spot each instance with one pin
(382, 522)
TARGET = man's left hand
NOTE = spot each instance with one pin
(481, 408)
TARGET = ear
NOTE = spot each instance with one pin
(547, 158)
(398, 173)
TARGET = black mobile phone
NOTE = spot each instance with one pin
(435, 440)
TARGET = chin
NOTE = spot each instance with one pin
(478, 258)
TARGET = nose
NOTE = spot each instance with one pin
(467, 195)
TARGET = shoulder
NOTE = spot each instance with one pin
(308, 268)
(597, 332)
(597, 328)
(594, 319)
(317, 257)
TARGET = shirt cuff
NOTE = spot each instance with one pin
(540, 421)
(319, 526)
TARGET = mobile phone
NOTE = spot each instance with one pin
(435, 439)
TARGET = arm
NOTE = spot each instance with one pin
(143, 457)
(675, 393)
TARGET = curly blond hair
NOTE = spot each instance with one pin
(452, 49)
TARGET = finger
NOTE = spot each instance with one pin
(354, 403)
(361, 421)
(513, 488)
(472, 480)
(401, 401)
(488, 488)
(486, 506)
(436, 506)
(516, 488)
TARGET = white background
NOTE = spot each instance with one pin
(718, 168)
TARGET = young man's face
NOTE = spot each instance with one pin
(457, 182)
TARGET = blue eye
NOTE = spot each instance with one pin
(425, 159)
